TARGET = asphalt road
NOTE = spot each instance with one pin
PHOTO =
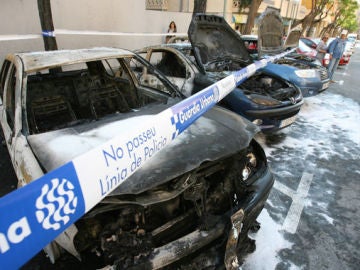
(312, 219)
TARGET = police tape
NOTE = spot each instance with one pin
(34, 215)
(84, 33)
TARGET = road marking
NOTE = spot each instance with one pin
(298, 197)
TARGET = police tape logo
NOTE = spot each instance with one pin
(184, 115)
(56, 202)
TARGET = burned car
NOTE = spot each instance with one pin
(216, 51)
(192, 205)
(305, 72)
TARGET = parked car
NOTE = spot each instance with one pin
(303, 71)
(264, 99)
(344, 60)
(306, 50)
(190, 202)
(308, 46)
(297, 55)
(312, 43)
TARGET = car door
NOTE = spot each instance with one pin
(23, 160)
(175, 66)
(8, 83)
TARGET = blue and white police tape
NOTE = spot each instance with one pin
(34, 215)
(84, 33)
(48, 33)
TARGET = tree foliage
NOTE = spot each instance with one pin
(344, 16)
(319, 11)
(347, 18)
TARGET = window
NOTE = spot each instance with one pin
(147, 77)
(169, 64)
(170, 5)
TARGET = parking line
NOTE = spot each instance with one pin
(298, 197)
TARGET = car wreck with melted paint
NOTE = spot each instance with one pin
(191, 206)
(216, 51)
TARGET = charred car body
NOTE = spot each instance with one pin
(305, 72)
(198, 198)
(217, 51)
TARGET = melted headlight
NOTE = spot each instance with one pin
(252, 159)
(249, 166)
(246, 172)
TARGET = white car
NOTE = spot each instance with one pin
(185, 203)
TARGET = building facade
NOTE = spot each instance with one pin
(126, 24)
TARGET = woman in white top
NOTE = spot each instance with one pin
(172, 29)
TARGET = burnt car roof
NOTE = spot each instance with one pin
(33, 61)
(213, 39)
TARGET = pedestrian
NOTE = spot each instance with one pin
(336, 49)
(171, 29)
(321, 48)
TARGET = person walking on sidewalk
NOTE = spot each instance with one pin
(336, 49)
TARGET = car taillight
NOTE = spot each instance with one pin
(326, 59)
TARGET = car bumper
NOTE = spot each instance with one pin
(256, 201)
(309, 91)
(278, 113)
(235, 225)
(313, 86)
(275, 119)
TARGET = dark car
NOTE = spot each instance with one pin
(190, 206)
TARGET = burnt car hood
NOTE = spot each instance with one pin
(219, 133)
(213, 40)
(271, 34)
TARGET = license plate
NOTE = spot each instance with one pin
(288, 121)
(325, 85)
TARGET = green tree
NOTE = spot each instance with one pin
(344, 17)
